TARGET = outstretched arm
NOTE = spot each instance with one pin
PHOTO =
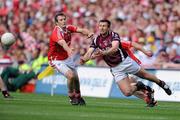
(84, 32)
(140, 48)
(128, 45)
(113, 49)
(87, 56)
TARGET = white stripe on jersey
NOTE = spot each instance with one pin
(121, 53)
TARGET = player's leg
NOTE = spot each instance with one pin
(4, 90)
(64, 68)
(74, 88)
(4, 80)
(143, 92)
(128, 86)
(71, 62)
(77, 90)
(142, 73)
(22, 79)
(69, 74)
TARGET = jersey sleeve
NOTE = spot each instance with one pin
(57, 35)
(72, 28)
(115, 37)
(93, 44)
(126, 44)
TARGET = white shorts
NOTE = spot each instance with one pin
(121, 71)
(63, 66)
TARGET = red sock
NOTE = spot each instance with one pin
(77, 94)
(71, 95)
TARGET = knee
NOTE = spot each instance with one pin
(127, 93)
(70, 76)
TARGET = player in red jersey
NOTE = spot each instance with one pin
(61, 56)
(117, 55)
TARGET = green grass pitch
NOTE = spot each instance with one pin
(46, 107)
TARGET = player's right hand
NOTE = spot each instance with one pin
(70, 52)
(90, 35)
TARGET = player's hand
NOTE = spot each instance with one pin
(149, 53)
(70, 52)
(81, 61)
(97, 53)
(90, 35)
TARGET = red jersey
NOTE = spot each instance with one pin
(56, 51)
(127, 45)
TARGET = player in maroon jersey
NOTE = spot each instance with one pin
(60, 55)
(122, 63)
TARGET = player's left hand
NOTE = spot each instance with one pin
(97, 53)
(81, 61)
(149, 53)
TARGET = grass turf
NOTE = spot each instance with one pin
(46, 107)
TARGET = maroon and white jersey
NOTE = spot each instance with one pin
(105, 43)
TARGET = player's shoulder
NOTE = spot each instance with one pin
(57, 28)
(114, 33)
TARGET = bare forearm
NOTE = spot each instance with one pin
(110, 51)
(87, 56)
(138, 47)
(64, 45)
(113, 49)
(85, 32)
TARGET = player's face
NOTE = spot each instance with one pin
(61, 21)
(103, 27)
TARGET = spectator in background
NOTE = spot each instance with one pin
(170, 48)
(151, 44)
(177, 41)
(161, 59)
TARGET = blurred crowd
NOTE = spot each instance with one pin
(155, 24)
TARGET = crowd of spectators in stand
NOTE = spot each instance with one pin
(155, 24)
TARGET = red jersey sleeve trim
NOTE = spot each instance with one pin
(126, 44)
(72, 28)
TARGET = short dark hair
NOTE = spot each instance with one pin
(107, 21)
(58, 14)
